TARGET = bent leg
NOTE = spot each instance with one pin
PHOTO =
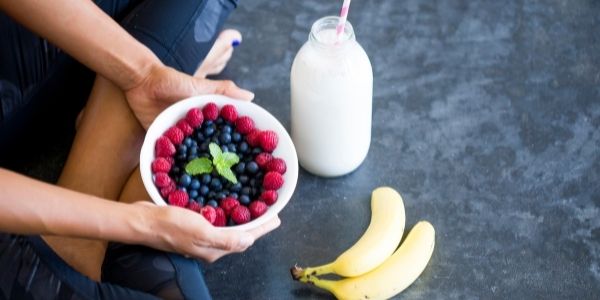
(104, 153)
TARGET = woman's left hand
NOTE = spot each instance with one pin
(164, 86)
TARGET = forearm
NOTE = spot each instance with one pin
(29, 206)
(84, 31)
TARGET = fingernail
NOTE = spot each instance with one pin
(247, 241)
(235, 43)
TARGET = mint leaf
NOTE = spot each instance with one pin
(230, 159)
(215, 150)
(227, 174)
(199, 166)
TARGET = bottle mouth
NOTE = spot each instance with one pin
(323, 31)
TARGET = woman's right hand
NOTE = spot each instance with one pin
(186, 232)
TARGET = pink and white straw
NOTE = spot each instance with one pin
(343, 16)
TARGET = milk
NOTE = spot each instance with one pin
(331, 101)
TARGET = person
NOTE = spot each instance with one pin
(146, 55)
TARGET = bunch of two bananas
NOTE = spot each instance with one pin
(375, 267)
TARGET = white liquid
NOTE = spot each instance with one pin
(331, 100)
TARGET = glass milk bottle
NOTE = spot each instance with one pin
(331, 101)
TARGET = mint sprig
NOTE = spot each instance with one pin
(222, 162)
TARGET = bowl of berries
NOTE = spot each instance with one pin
(229, 160)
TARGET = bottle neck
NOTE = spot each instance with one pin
(323, 35)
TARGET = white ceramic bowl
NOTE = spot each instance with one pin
(263, 120)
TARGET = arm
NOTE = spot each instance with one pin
(83, 30)
(28, 206)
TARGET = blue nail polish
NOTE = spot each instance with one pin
(235, 43)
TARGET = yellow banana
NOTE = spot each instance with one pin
(376, 244)
(393, 276)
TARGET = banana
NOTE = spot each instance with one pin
(393, 276)
(376, 244)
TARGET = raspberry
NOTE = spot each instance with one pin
(185, 127)
(257, 209)
(229, 113)
(269, 197)
(162, 179)
(167, 190)
(194, 117)
(262, 159)
(272, 181)
(244, 125)
(178, 198)
(253, 138)
(240, 214)
(195, 206)
(170, 159)
(161, 164)
(164, 147)
(210, 111)
(228, 204)
(221, 218)
(277, 165)
(175, 135)
(268, 140)
(209, 213)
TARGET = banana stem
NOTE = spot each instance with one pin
(298, 273)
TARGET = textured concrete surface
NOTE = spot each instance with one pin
(486, 119)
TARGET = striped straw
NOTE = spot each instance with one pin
(343, 16)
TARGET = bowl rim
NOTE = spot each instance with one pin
(261, 117)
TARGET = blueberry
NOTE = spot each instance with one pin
(219, 120)
(207, 123)
(212, 203)
(232, 147)
(240, 168)
(185, 180)
(182, 157)
(236, 137)
(204, 146)
(182, 149)
(236, 187)
(195, 184)
(175, 170)
(192, 151)
(206, 178)
(243, 179)
(244, 199)
(199, 136)
(246, 190)
(191, 157)
(243, 147)
(215, 184)
(234, 195)
(214, 139)
(193, 194)
(211, 195)
(253, 182)
(201, 200)
(204, 190)
(187, 142)
(257, 150)
(221, 195)
(182, 189)
(224, 148)
(252, 167)
(208, 131)
(225, 138)
(226, 128)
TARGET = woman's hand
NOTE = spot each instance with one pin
(186, 232)
(164, 86)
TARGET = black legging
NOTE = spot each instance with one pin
(35, 76)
